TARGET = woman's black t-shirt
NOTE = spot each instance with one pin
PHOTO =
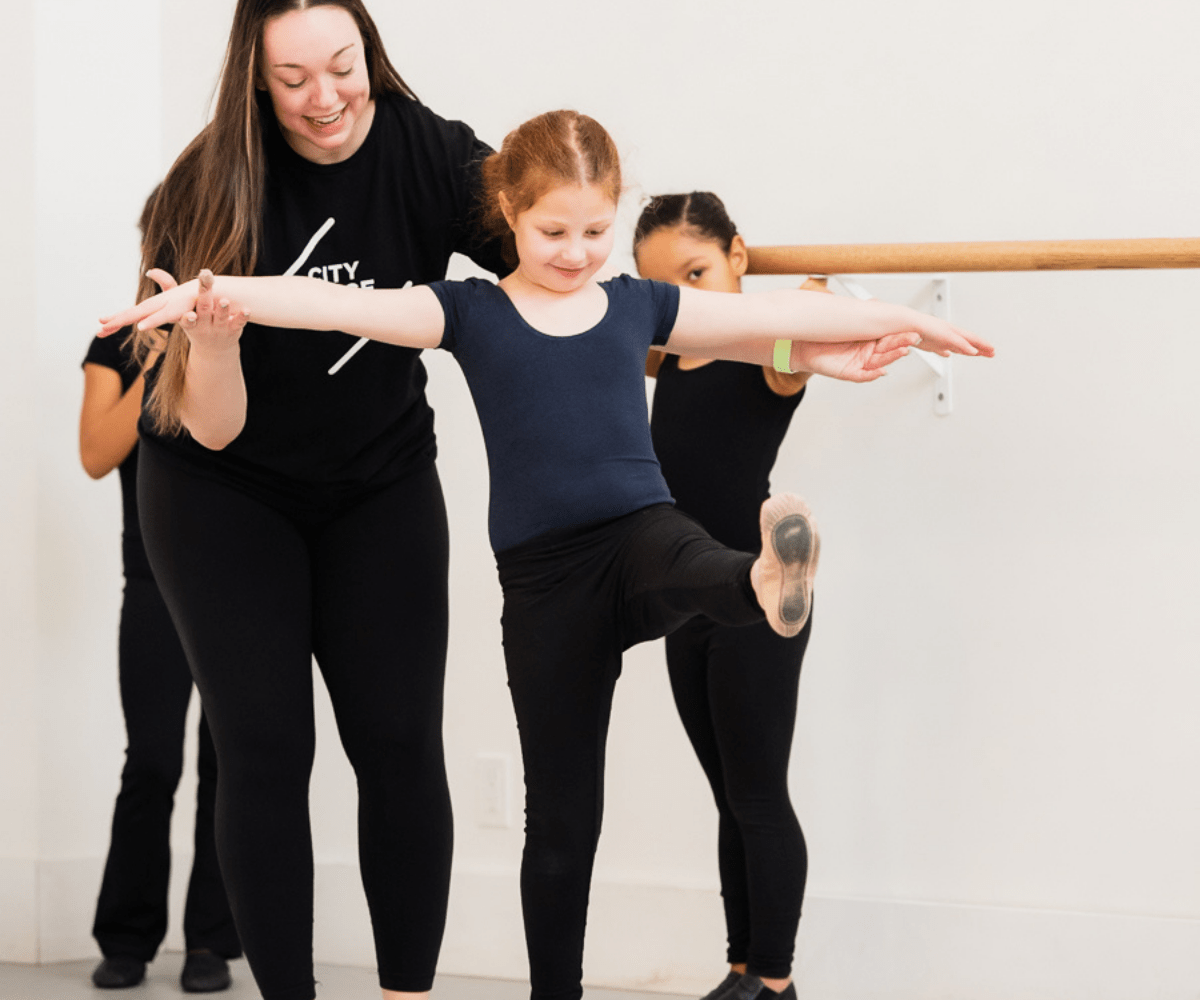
(390, 214)
(717, 431)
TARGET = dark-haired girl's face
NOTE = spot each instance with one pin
(314, 68)
(677, 255)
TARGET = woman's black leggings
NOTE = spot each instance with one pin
(573, 602)
(736, 693)
(131, 913)
(255, 592)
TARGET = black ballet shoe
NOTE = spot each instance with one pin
(726, 984)
(118, 972)
(204, 971)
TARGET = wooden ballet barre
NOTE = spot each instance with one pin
(1035, 255)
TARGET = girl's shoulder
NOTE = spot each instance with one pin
(628, 284)
(661, 295)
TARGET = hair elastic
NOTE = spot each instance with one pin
(783, 357)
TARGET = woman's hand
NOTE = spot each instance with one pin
(211, 327)
(856, 361)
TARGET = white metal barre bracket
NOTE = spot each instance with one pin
(943, 398)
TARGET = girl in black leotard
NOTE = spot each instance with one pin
(717, 427)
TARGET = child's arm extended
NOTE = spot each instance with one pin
(823, 327)
(410, 317)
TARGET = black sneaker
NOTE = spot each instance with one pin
(204, 972)
(118, 972)
(726, 984)
(750, 987)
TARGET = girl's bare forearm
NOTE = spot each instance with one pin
(819, 318)
(410, 317)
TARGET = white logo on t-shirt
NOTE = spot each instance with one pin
(332, 273)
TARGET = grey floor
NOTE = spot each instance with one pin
(71, 981)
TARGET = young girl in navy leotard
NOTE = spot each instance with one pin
(717, 427)
(593, 557)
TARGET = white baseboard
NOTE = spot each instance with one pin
(67, 891)
(868, 949)
(18, 915)
(670, 939)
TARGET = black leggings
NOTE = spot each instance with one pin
(573, 602)
(131, 913)
(736, 689)
(255, 592)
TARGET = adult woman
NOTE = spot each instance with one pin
(276, 522)
(131, 912)
(717, 427)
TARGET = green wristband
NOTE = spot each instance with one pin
(783, 357)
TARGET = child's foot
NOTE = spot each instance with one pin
(782, 576)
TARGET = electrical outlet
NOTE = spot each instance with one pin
(492, 789)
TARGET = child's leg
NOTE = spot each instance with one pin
(563, 660)
(672, 570)
(562, 708)
(689, 651)
(131, 913)
(753, 677)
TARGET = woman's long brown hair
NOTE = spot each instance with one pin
(208, 212)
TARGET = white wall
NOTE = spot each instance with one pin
(18, 506)
(995, 761)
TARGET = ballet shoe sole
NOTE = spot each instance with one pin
(791, 547)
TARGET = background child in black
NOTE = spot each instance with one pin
(717, 427)
(156, 685)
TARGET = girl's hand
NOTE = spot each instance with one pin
(939, 337)
(168, 306)
(857, 361)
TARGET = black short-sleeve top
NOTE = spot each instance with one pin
(321, 421)
(717, 431)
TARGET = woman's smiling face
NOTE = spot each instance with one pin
(314, 68)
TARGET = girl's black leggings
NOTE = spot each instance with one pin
(131, 913)
(573, 602)
(736, 689)
(255, 591)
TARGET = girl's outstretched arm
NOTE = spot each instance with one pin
(745, 327)
(410, 317)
